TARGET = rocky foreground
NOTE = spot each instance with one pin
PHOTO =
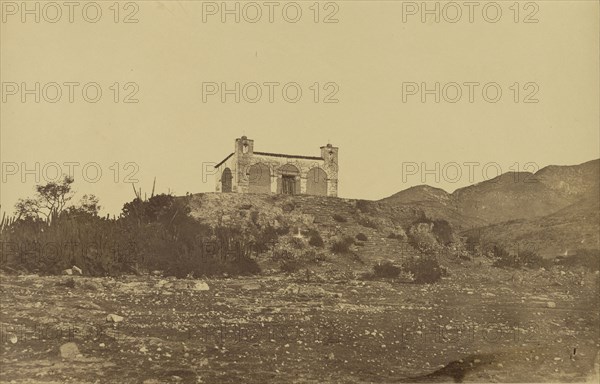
(479, 324)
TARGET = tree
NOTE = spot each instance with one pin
(50, 200)
(88, 205)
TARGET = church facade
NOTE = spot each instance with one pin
(249, 171)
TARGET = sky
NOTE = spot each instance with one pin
(366, 70)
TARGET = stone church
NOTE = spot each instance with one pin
(249, 171)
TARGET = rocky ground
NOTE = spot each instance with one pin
(480, 324)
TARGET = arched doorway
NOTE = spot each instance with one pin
(259, 178)
(316, 182)
(288, 183)
(226, 180)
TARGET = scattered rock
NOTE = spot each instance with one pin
(293, 289)
(114, 318)
(69, 351)
(200, 286)
(251, 287)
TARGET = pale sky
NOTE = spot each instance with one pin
(369, 54)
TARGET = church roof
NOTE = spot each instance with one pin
(275, 155)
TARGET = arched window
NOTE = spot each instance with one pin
(259, 177)
(316, 182)
(226, 180)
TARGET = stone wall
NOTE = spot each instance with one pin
(259, 172)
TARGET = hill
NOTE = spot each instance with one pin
(555, 210)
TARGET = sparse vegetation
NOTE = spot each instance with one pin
(586, 258)
(367, 222)
(339, 218)
(522, 258)
(315, 239)
(151, 234)
(396, 236)
(343, 245)
(361, 237)
(386, 270)
(365, 206)
(425, 269)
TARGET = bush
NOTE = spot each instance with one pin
(440, 229)
(315, 239)
(297, 243)
(254, 215)
(420, 236)
(426, 270)
(364, 206)
(386, 269)
(368, 223)
(524, 258)
(288, 207)
(290, 266)
(361, 237)
(339, 218)
(342, 246)
(289, 262)
(396, 236)
(586, 258)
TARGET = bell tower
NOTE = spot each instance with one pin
(244, 146)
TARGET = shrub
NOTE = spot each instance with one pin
(362, 237)
(586, 258)
(339, 218)
(254, 215)
(297, 242)
(364, 206)
(368, 223)
(315, 239)
(288, 207)
(523, 258)
(439, 228)
(290, 266)
(426, 270)
(421, 237)
(289, 262)
(343, 245)
(386, 269)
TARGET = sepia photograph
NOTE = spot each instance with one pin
(307, 191)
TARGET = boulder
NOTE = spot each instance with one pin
(69, 351)
(200, 286)
(68, 272)
(114, 318)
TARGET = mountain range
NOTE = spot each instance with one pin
(556, 210)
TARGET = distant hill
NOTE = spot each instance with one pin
(557, 209)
